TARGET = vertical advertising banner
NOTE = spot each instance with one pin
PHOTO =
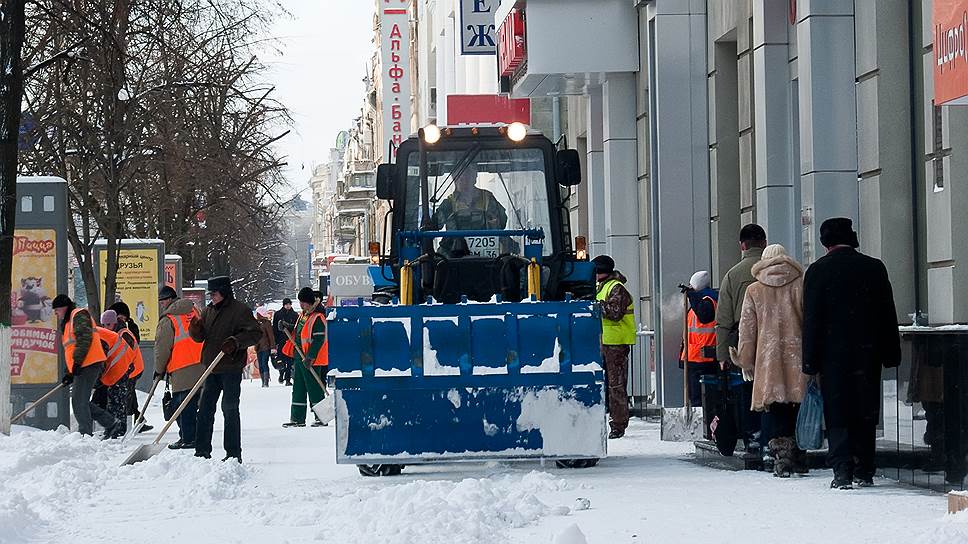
(34, 286)
(137, 286)
(477, 27)
(395, 56)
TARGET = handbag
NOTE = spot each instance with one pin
(167, 406)
(810, 419)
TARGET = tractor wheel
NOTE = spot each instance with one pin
(380, 470)
(576, 463)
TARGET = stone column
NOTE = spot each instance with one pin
(828, 116)
(595, 185)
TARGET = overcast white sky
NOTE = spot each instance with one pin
(327, 44)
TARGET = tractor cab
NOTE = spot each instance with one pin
(473, 207)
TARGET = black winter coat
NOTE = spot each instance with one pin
(230, 318)
(849, 330)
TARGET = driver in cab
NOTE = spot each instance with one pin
(468, 208)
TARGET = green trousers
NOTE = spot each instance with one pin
(303, 386)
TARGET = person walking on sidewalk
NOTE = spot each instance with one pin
(849, 333)
(309, 332)
(84, 356)
(264, 348)
(178, 357)
(618, 336)
(226, 326)
(287, 315)
(771, 351)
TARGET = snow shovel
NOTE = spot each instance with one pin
(325, 409)
(48, 395)
(147, 451)
(681, 424)
(136, 428)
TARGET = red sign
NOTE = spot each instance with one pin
(950, 52)
(470, 109)
(171, 275)
(511, 43)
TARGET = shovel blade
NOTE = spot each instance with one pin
(132, 430)
(325, 409)
(681, 424)
(143, 453)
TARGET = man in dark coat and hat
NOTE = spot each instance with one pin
(849, 333)
(226, 325)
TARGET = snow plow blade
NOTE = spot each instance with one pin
(494, 381)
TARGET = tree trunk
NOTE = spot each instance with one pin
(12, 30)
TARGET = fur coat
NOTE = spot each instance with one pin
(770, 332)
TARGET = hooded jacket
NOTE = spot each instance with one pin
(184, 378)
(770, 332)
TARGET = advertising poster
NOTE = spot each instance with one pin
(171, 275)
(34, 286)
(137, 286)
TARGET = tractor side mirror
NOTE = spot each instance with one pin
(569, 167)
(385, 176)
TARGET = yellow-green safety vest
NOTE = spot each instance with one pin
(621, 332)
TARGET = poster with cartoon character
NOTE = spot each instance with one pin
(34, 285)
(137, 285)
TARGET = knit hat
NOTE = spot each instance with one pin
(700, 280)
(838, 231)
(604, 264)
(62, 301)
(166, 293)
(307, 295)
(773, 250)
(109, 318)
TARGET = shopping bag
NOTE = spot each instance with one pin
(810, 419)
(167, 406)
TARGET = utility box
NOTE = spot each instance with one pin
(39, 274)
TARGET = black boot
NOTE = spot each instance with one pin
(293, 424)
(238, 458)
(842, 480)
(616, 434)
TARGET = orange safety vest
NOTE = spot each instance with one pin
(94, 355)
(119, 357)
(306, 340)
(137, 360)
(185, 352)
(701, 335)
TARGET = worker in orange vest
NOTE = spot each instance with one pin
(85, 358)
(121, 353)
(179, 358)
(310, 332)
(699, 353)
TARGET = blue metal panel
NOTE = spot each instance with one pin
(467, 387)
(581, 271)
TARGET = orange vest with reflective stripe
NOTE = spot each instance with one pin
(701, 335)
(306, 340)
(94, 355)
(185, 352)
(119, 357)
(137, 360)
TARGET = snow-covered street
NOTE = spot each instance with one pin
(60, 487)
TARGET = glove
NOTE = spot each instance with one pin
(286, 326)
(230, 345)
(67, 379)
(685, 288)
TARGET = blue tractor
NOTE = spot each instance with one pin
(482, 342)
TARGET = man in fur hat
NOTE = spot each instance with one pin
(849, 333)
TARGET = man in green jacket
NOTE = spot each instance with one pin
(309, 333)
(732, 290)
(618, 336)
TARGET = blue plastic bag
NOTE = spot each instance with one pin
(810, 419)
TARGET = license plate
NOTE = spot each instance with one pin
(482, 246)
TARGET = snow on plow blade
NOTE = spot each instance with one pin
(468, 382)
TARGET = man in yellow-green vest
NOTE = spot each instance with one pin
(618, 335)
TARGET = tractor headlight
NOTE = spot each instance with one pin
(517, 131)
(431, 134)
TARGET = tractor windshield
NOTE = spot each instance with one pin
(481, 189)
